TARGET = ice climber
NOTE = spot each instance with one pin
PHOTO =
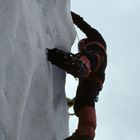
(89, 67)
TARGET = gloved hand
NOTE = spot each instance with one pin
(76, 17)
(66, 61)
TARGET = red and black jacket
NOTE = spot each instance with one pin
(95, 48)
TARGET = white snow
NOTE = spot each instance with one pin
(32, 95)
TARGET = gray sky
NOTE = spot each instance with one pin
(118, 110)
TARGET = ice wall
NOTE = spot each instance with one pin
(32, 96)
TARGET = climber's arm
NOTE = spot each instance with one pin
(66, 61)
(79, 65)
(90, 32)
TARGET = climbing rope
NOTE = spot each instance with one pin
(77, 35)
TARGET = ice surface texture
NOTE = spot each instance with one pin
(32, 96)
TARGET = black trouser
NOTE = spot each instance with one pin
(86, 93)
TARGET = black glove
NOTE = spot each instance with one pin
(66, 61)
